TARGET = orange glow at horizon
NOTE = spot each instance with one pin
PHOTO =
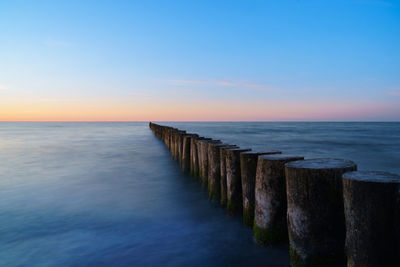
(172, 110)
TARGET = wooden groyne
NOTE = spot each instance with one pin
(329, 213)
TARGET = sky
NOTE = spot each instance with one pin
(200, 60)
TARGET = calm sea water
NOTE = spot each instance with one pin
(92, 194)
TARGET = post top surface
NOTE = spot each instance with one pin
(281, 157)
(372, 176)
(222, 145)
(229, 147)
(260, 153)
(211, 141)
(237, 149)
(204, 139)
(321, 164)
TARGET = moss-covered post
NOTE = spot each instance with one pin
(248, 168)
(222, 165)
(233, 180)
(214, 170)
(369, 205)
(270, 225)
(315, 211)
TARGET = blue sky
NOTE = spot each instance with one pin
(200, 60)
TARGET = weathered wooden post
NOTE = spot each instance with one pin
(248, 168)
(177, 145)
(195, 156)
(233, 180)
(199, 158)
(173, 142)
(369, 205)
(204, 160)
(180, 145)
(270, 224)
(315, 211)
(171, 139)
(192, 151)
(199, 155)
(214, 170)
(222, 163)
(186, 150)
(175, 152)
(161, 130)
(166, 138)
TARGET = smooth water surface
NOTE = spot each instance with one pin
(92, 194)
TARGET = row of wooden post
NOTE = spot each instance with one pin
(331, 214)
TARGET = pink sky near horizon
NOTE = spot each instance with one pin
(191, 110)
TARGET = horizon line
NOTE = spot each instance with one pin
(156, 121)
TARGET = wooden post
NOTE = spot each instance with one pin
(369, 205)
(174, 148)
(200, 153)
(248, 168)
(204, 160)
(233, 180)
(315, 211)
(192, 152)
(195, 156)
(168, 137)
(222, 163)
(181, 135)
(186, 151)
(270, 225)
(214, 170)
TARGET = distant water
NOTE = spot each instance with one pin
(93, 194)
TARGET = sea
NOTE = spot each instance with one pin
(110, 194)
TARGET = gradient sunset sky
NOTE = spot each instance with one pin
(200, 60)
